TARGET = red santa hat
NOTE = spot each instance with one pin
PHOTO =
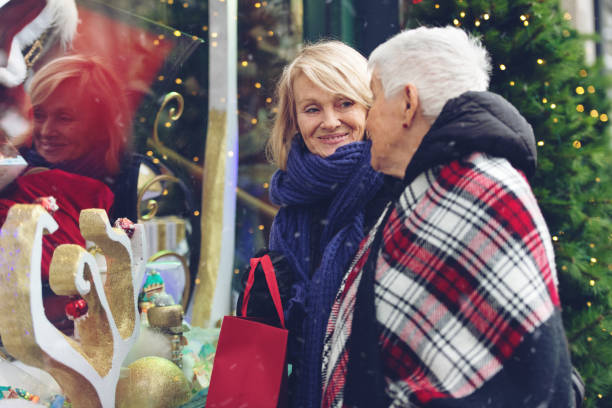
(22, 23)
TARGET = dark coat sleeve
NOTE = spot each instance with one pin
(537, 375)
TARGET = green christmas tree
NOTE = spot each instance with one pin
(538, 65)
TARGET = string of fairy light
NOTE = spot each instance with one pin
(580, 90)
(525, 20)
(257, 84)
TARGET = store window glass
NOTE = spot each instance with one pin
(269, 34)
(158, 53)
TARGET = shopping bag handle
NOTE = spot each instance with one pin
(266, 264)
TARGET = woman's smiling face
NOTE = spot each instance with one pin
(325, 120)
(63, 126)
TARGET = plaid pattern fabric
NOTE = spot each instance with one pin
(464, 272)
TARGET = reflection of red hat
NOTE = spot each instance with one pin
(22, 23)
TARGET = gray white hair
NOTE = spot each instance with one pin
(441, 62)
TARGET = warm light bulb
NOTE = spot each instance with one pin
(257, 85)
(486, 16)
(541, 143)
(455, 22)
(540, 61)
(502, 67)
(477, 23)
(544, 100)
(525, 23)
(511, 83)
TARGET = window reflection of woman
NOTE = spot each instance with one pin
(79, 118)
(79, 135)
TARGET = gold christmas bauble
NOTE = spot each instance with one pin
(152, 382)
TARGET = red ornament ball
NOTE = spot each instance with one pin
(76, 308)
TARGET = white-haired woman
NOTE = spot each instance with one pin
(452, 300)
(328, 192)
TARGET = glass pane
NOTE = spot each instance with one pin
(269, 34)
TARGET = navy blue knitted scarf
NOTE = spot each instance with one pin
(343, 183)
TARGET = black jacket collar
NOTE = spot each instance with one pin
(476, 122)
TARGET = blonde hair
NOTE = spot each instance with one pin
(91, 82)
(332, 65)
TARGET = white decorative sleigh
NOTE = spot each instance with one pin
(87, 370)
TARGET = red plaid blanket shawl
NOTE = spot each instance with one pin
(465, 271)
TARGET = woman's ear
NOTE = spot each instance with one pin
(410, 99)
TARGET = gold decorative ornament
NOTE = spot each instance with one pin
(166, 316)
(152, 382)
(169, 319)
(156, 143)
(88, 370)
(152, 205)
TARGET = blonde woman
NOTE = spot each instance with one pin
(328, 192)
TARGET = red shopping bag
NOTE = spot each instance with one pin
(250, 367)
